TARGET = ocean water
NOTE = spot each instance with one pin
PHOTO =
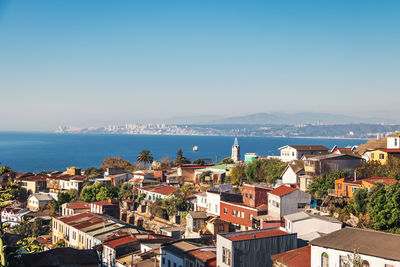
(39, 151)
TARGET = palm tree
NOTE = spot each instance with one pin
(145, 157)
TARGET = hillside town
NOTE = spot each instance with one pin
(309, 206)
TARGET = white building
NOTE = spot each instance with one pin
(393, 142)
(285, 200)
(305, 224)
(375, 248)
(293, 171)
(38, 200)
(289, 153)
(13, 215)
(213, 202)
(201, 201)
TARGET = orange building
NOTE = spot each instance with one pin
(347, 187)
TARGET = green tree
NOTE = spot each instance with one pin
(384, 207)
(14, 191)
(4, 169)
(237, 173)
(320, 186)
(125, 191)
(227, 161)
(30, 244)
(180, 159)
(145, 157)
(360, 200)
(199, 162)
(98, 191)
(31, 229)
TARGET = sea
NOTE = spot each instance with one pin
(35, 152)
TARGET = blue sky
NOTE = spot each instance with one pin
(93, 62)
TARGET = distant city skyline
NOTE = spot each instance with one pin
(87, 63)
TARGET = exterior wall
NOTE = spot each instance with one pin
(213, 203)
(334, 256)
(33, 186)
(345, 189)
(254, 196)
(304, 182)
(290, 177)
(223, 242)
(288, 154)
(379, 156)
(218, 228)
(202, 201)
(393, 142)
(238, 214)
(287, 204)
(168, 257)
(244, 252)
(311, 225)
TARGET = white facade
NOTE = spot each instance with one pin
(38, 200)
(213, 203)
(303, 223)
(224, 252)
(202, 200)
(334, 257)
(13, 216)
(288, 153)
(292, 202)
(393, 142)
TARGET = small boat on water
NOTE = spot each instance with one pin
(195, 148)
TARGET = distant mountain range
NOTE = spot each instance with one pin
(279, 118)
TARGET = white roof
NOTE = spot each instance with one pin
(41, 197)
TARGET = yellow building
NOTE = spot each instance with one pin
(381, 155)
(74, 171)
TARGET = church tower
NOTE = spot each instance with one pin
(235, 151)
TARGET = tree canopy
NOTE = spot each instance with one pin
(98, 192)
(118, 162)
(227, 161)
(180, 159)
(267, 171)
(320, 186)
(145, 157)
(237, 173)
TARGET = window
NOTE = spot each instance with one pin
(372, 155)
(233, 213)
(395, 141)
(365, 263)
(225, 211)
(389, 265)
(169, 263)
(247, 195)
(251, 196)
(381, 156)
(301, 205)
(220, 227)
(163, 260)
(226, 256)
(340, 186)
(353, 189)
(242, 214)
(324, 260)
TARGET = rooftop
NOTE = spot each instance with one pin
(165, 190)
(119, 241)
(300, 257)
(41, 197)
(300, 216)
(282, 190)
(365, 241)
(334, 156)
(307, 147)
(198, 215)
(78, 205)
(253, 234)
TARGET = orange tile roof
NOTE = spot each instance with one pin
(257, 235)
(282, 190)
(300, 257)
(160, 189)
(385, 180)
(387, 150)
(203, 255)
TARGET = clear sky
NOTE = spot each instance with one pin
(80, 63)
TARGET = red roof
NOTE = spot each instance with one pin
(282, 190)
(203, 255)
(103, 203)
(120, 241)
(165, 190)
(78, 205)
(385, 180)
(256, 235)
(300, 257)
